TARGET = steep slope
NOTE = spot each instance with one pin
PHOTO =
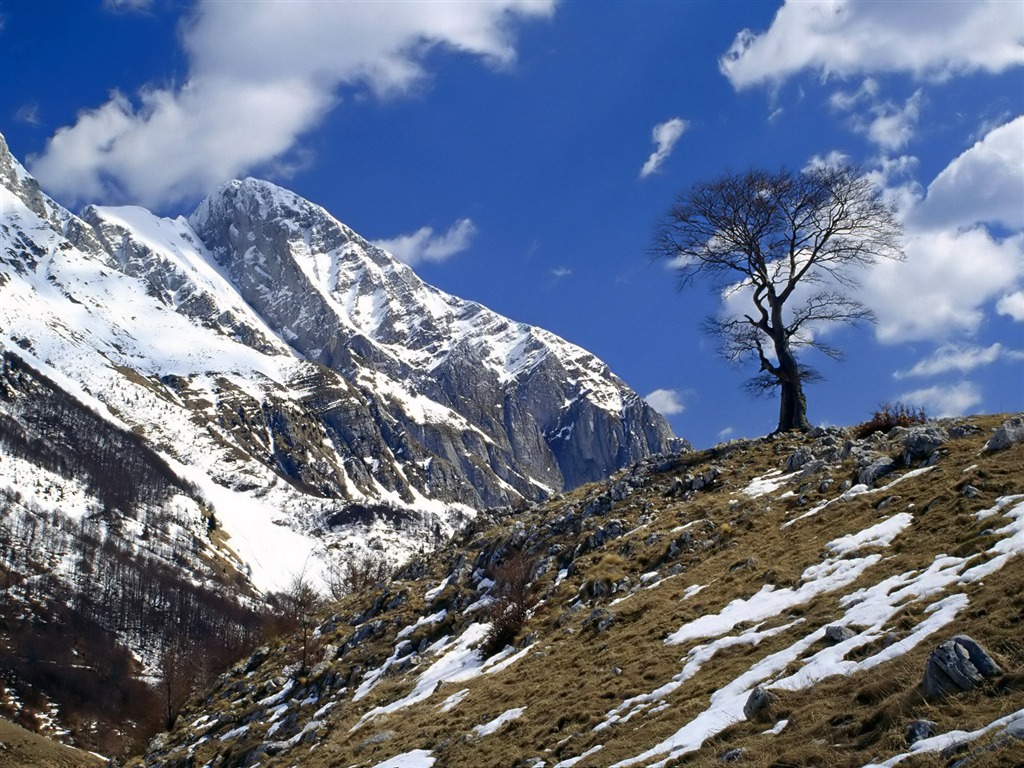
(782, 602)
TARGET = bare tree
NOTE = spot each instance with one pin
(793, 241)
(348, 574)
(302, 602)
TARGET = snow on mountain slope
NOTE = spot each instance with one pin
(312, 386)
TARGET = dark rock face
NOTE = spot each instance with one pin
(759, 703)
(919, 443)
(958, 664)
(920, 729)
(1010, 433)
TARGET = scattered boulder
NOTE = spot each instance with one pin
(759, 704)
(733, 755)
(1010, 433)
(798, 459)
(599, 620)
(958, 664)
(837, 633)
(920, 729)
(970, 491)
(877, 469)
(919, 443)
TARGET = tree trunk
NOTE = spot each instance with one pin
(793, 405)
(793, 408)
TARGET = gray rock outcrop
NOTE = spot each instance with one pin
(959, 664)
(1009, 433)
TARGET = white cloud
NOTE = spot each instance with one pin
(952, 357)
(942, 287)
(955, 265)
(127, 6)
(665, 401)
(886, 124)
(561, 272)
(984, 184)
(1012, 305)
(260, 76)
(724, 434)
(424, 245)
(28, 113)
(930, 40)
(943, 401)
(664, 135)
(892, 127)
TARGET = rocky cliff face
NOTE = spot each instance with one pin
(352, 307)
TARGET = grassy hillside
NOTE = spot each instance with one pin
(23, 749)
(628, 622)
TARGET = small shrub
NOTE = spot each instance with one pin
(354, 574)
(889, 416)
(512, 602)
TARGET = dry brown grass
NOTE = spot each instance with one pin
(572, 676)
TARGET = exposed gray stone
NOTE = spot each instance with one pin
(798, 459)
(919, 729)
(958, 664)
(979, 657)
(599, 620)
(1010, 433)
(733, 755)
(836, 633)
(919, 443)
(876, 470)
(759, 703)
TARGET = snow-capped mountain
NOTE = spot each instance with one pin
(309, 384)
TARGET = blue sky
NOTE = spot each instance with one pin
(520, 153)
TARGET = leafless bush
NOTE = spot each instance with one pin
(512, 602)
(888, 416)
(348, 575)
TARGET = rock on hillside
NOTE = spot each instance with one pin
(756, 604)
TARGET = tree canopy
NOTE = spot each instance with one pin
(793, 242)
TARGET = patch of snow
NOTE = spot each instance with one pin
(949, 739)
(880, 535)
(769, 483)
(494, 725)
(418, 758)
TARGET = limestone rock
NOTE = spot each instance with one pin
(759, 704)
(1009, 433)
(958, 664)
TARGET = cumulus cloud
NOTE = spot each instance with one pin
(984, 184)
(953, 357)
(945, 401)
(665, 401)
(1012, 305)
(927, 39)
(260, 76)
(942, 287)
(664, 135)
(956, 265)
(425, 245)
(889, 125)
